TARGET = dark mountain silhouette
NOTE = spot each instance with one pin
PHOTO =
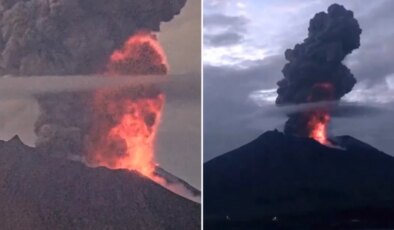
(281, 180)
(41, 192)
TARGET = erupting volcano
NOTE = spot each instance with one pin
(315, 72)
(125, 121)
(51, 186)
(295, 179)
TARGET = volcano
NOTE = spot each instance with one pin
(42, 192)
(281, 180)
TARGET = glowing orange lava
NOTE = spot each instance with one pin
(141, 54)
(317, 126)
(128, 143)
(319, 118)
(126, 120)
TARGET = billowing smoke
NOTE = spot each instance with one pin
(315, 71)
(71, 37)
(68, 37)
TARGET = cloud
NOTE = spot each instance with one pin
(224, 39)
(224, 30)
(245, 77)
(229, 113)
(222, 20)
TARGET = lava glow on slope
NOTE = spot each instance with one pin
(126, 120)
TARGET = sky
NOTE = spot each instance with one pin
(178, 145)
(244, 45)
(179, 138)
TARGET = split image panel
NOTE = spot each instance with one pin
(190, 114)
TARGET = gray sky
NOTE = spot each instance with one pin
(179, 138)
(244, 44)
(178, 145)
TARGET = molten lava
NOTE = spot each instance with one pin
(141, 54)
(319, 118)
(126, 120)
(317, 126)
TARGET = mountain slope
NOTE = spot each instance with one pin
(278, 175)
(40, 192)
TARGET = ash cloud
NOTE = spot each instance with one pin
(224, 39)
(66, 37)
(317, 63)
(70, 37)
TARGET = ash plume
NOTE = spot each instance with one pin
(315, 71)
(70, 37)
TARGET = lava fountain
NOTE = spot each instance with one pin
(319, 118)
(125, 121)
(317, 125)
(314, 121)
